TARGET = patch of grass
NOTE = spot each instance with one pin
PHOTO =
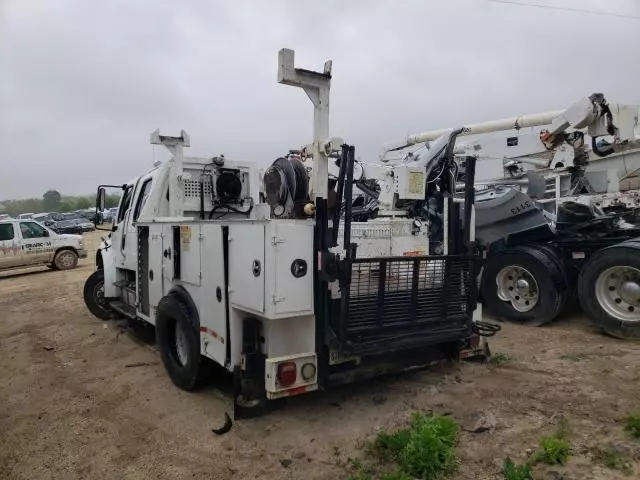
(511, 471)
(609, 458)
(424, 450)
(499, 359)
(388, 446)
(632, 425)
(575, 357)
(553, 450)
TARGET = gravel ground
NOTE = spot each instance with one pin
(80, 398)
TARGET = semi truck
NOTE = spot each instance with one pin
(553, 213)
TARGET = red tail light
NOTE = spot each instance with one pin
(287, 374)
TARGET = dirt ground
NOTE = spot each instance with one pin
(81, 399)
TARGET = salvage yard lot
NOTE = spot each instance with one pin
(80, 398)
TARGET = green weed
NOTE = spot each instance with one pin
(511, 471)
(553, 450)
(632, 425)
(424, 450)
(500, 359)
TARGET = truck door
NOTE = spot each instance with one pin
(10, 248)
(119, 236)
(130, 230)
(37, 245)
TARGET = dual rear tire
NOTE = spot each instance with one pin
(534, 284)
(526, 284)
(609, 289)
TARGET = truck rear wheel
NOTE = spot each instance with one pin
(609, 290)
(66, 260)
(524, 285)
(178, 339)
(94, 296)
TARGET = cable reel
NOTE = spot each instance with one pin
(286, 186)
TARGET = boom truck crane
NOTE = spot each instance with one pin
(253, 279)
(538, 261)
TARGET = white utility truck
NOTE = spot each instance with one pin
(245, 267)
(27, 243)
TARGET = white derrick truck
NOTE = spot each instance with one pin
(573, 237)
(249, 275)
(27, 243)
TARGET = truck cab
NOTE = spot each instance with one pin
(27, 243)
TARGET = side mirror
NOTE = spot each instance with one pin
(101, 200)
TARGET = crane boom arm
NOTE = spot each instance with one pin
(587, 112)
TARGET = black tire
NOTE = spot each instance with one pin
(93, 294)
(626, 254)
(173, 315)
(546, 269)
(569, 274)
(66, 260)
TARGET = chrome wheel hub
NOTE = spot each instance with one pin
(517, 286)
(618, 293)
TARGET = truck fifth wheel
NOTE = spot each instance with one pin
(249, 272)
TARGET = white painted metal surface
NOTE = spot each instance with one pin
(213, 306)
(190, 251)
(317, 86)
(289, 252)
(246, 260)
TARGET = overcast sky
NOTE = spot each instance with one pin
(83, 83)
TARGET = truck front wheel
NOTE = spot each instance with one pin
(94, 296)
(66, 260)
(178, 339)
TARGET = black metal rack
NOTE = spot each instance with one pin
(387, 304)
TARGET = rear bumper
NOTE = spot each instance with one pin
(82, 253)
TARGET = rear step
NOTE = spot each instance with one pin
(124, 309)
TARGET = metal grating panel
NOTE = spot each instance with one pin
(427, 296)
(192, 188)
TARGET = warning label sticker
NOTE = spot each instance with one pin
(185, 234)
(416, 182)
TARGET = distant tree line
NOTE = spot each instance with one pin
(53, 201)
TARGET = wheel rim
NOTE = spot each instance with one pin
(98, 296)
(517, 286)
(66, 259)
(181, 344)
(618, 293)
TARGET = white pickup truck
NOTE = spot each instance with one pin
(27, 243)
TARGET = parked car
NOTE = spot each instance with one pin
(73, 225)
(42, 217)
(24, 216)
(25, 243)
(109, 214)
